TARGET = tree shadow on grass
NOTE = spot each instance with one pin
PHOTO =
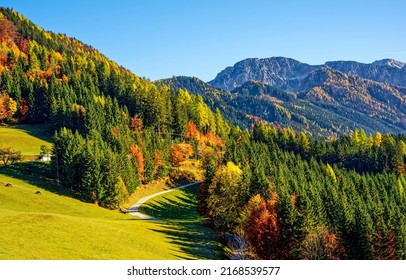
(184, 227)
(197, 241)
(41, 131)
(38, 174)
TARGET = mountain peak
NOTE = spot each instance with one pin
(288, 74)
(389, 62)
(281, 72)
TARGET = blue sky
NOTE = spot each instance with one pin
(160, 39)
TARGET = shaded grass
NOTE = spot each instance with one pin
(182, 224)
(26, 138)
(38, 174)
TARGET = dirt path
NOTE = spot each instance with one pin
(134, 209)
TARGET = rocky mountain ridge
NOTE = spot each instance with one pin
(288, 74)
(321, 100)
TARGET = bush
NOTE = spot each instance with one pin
(184, 176)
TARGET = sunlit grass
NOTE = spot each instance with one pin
(52, 226)
(26, 138)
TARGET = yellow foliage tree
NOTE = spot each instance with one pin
(8, 107)
(331, 173)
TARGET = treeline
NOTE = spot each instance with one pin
(282, 195)
(360, 152)
(114, 130)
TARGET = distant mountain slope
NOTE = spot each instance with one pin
(385, 71)
(306, 111)
(371, 96)
(352, 91)
(288, 74)
(319, 117)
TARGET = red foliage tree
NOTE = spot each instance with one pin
(24, 109)
(384, 247)
(8, 30)
(22, 43)
(263, 231)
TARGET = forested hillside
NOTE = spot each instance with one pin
(114, 130)
(285, 196)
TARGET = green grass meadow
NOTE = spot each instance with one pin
(26, 138)
(182, 224)
(55, 226)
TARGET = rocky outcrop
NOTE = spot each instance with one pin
(288, 74)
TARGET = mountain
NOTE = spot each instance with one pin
(280, 72)
(385, 71)
(325, 101)
(313, 110)
(288, 74)
(353, 91)
(383, 102)
(325, 115)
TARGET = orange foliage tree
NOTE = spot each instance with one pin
(139, 158)
(158, 161)
(177, 155)
(213, 140)
(181, 152)
(191, 132)
(321, 244)
(136, 124)
(263, 231)
(115, 132)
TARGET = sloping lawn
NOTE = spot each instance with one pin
(26, 138)
(54, 225)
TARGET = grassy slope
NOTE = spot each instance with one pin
(54, 225)
(25, 138)
(183, 225)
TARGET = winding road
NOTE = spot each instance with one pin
(134, 209)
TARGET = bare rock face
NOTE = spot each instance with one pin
(288, 74)
(280, 72)
(385, 71)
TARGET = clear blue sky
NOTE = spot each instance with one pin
(159, 39)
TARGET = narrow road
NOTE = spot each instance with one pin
(134, 209)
